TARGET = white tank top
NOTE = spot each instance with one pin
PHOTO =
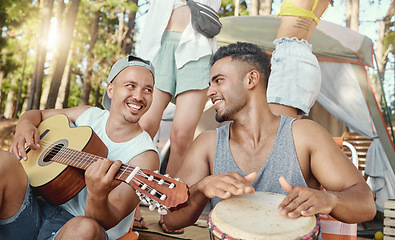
(178, 3)
(96, 119)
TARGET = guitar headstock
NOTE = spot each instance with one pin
(160, 191)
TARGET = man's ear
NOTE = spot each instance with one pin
(253, 79)
(110, 88)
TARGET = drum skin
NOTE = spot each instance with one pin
(255, 217)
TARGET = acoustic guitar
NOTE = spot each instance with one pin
(56, 170)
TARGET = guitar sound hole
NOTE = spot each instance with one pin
(53, 151)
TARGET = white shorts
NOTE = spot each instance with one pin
(295, 77)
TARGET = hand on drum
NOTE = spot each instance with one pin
(304, 201)
(225, 184)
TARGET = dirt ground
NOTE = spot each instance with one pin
(7, 131)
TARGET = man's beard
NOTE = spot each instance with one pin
(131, 120)
(227, 115)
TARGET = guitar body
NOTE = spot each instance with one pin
(57, 182)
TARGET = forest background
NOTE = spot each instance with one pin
(58, 53)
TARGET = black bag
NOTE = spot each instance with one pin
(205, 20)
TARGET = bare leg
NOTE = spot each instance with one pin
(189, 109)
(81, 228)
(12, 185)
(150, 121)
(301, 28)
(138, 221)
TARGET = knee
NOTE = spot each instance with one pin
(181, 139)
(86, 227)
(9, 164)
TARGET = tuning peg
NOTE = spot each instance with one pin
(139, 194)
(156, 171)
(161, 182)
(162, 210)
(163, 197)
(177, 179)
(166, 175)
(172, 185)
(151, 178)
(151, 207)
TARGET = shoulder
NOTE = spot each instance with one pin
(312, 136)
(306, 127)
(206, 137)
(145, 139)
(90, 114)
(147, 160)
(72, 113)
(204, 144)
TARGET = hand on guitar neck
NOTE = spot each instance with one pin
(56, 169)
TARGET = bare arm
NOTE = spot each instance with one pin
(108, 201)
(196, 173)
(26, 129)
(347, 197)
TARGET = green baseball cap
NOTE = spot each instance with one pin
(120, 65)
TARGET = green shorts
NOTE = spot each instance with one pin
(194, 75)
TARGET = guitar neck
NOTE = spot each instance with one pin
(83, 160)
(151, 186)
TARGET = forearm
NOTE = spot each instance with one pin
(101, 209)
(188, 215)
(33, 117)
(355, 204)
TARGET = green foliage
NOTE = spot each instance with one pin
(228, 8)
(75, 93)
(389, 41)
(18, 20)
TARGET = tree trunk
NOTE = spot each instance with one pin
(381, 50)
(61, 60)
(352, 14)
(254, 7)
(18, 100)
(38, 75)
(67, 90)
(55, 51)
(129, 42)
(121, 33)
(97, 96)
(10, 103)
(1, 93)
(26, 102)
(64, 83)
(265, 7)
(237, 7)
(87, 79)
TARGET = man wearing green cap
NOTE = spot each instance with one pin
(104, 208)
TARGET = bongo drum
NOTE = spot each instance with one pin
(256, 216)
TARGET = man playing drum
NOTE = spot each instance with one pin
(261, 151)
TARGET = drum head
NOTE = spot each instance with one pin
(256, 216)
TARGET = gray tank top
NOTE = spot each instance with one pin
(282, 160)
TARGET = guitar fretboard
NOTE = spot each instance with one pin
(83, 160)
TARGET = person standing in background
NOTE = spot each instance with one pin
(181, 57)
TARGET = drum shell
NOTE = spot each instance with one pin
(217, 228)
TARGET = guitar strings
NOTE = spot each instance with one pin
(124, 168)
(62, 150)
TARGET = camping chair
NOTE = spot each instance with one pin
(332, 229)
(361, 145)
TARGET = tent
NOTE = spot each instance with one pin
(346, 91)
